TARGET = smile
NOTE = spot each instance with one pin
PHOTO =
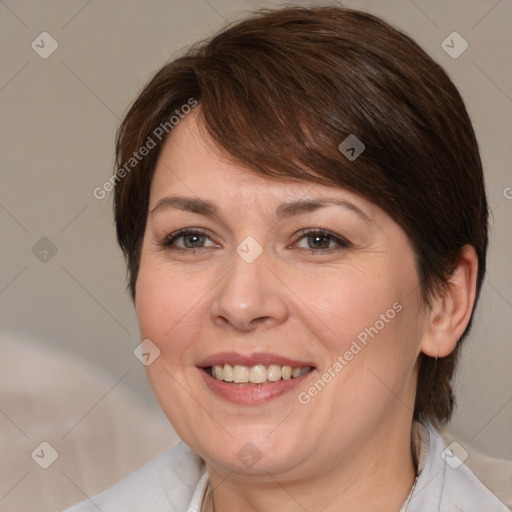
(254, 378)
(257, 374)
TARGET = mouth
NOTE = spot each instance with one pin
(253, 379)
(257, 374)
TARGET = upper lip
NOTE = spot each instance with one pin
(253, 359)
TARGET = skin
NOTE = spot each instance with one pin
(349, 447)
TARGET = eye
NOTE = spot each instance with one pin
(187, 239)
(316, 240)
(320, 240)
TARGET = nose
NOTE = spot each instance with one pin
(249, 296)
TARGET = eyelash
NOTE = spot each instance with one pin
(342, 243)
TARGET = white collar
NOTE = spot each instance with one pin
(177, 481)
(198, 498)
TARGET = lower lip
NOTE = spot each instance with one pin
(251, 394)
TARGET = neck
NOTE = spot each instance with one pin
(376, 478)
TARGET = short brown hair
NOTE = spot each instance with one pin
(280, 90)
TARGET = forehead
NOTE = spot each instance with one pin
(191, 160)
(192, 164)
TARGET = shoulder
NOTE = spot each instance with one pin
(491, 473)
(448, 483)
(167, 483)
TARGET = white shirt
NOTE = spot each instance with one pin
(177, 481)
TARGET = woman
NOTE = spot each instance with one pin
(301, 205)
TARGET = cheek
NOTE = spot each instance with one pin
(345, 305)
(151, 305)
(367, 324)
(163, 306)
(172, 309)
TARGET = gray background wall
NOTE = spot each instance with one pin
(58, 120)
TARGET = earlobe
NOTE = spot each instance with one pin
(451, 310)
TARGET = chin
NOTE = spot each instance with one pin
(252, 451)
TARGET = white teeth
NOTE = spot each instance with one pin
(274, 372)
(217, 371)
(257, 374)
(227, 373)
(240, 374)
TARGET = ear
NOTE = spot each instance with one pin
(451, 310)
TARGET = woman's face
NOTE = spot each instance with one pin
(274, 278)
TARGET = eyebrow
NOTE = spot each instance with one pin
(284, 210)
